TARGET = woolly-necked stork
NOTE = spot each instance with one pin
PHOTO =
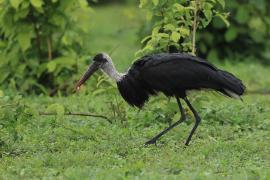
(172, 74)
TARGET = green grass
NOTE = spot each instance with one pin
(232, 141)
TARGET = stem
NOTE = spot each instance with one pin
(33, 20)
(7, 105)
(77, 114)
(194, 28)
(37, 39)
(49, 45)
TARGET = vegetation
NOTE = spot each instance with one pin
(41, 43)
(176, 23)
(248, 34)
(231, 143)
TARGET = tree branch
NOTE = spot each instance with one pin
(37, 39)
(77, 114)
(194, 28)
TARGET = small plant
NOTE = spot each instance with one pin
(14, 115)
(176, 23)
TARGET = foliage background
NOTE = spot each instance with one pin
(247, 36)
(41, 43)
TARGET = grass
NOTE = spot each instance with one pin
(231, 143)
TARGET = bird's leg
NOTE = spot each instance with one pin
(182, 119)
(197, 122)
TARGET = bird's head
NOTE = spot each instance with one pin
(100, 61)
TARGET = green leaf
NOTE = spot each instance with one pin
(36, 3)
(231, 34)
(207, 6)
(155, 30)
(24, 39)
(218, 23)
(155, 2)
(242, 15)
(183, 31)
(163, 35)
(179, 8)
(170, 27)
(222, 3)
(58, 20)
(147, 38)
(22, 13)
(51, 66)
(15, 3)
(224, 19)
(175, 36)
(208, 14)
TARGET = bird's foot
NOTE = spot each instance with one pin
(152, 141)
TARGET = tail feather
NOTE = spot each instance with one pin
(232, 86)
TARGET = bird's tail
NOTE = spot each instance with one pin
(231, 85)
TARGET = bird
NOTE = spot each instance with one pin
(173, 74)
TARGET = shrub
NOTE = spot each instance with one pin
(41, 42)
(176, 23)
(248, 34)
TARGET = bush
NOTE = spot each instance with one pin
(248, 34)
(176, 23)
(101, 2)
(41, 42)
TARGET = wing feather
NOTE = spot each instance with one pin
(175, 73)
(172, 73)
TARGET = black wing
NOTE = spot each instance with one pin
(175, 73)
(150, 61)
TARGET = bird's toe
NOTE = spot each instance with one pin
(152, 141)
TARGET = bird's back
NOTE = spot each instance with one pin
(153, 60)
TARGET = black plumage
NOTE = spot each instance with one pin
(172, 74)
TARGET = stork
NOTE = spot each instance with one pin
(170, 73)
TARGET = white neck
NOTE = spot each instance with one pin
(111, 71)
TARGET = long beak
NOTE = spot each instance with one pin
(92, 68)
